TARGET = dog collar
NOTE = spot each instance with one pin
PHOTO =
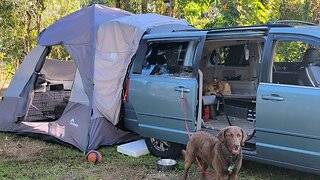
(231, 160)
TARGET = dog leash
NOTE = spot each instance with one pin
(183, 107)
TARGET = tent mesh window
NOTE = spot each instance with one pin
(48, 106)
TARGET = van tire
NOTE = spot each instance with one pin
(163, 149)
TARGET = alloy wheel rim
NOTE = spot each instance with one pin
(160, 145)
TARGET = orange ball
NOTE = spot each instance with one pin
(94, 156)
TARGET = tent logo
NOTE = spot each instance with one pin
(72, 123)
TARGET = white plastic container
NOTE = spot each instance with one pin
(135, 148)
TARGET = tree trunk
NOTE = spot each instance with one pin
(38, 15)
(144, 6)
(127, 5)
(172, 9)
(283, 9)
(117, 3)
(169, 7)
(26, 42)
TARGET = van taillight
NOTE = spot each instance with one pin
(126, 93)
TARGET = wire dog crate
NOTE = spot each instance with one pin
(47, 106)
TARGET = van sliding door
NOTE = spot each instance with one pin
(167, 73)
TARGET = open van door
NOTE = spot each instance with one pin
(288, 126)
(164, 71)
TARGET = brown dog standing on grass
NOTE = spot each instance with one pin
(223, 154)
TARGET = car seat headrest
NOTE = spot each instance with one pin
(310, 56)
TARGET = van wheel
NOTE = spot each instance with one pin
(163, 149)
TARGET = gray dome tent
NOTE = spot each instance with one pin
(102, 42)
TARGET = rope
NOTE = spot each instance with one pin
(35, 107)
(183, 107)
(220, 96)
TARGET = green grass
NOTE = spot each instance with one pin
(27, 158)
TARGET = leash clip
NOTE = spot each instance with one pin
(182, 93)
(230, 168)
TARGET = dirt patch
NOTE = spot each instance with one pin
(19, 148)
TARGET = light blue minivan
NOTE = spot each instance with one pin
(274, 74)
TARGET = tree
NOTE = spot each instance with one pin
(144, 6)
(304, 10)
(117, 3)
(223, 13)
(21, 22)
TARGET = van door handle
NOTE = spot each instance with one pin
(182, 89)
(272, 97)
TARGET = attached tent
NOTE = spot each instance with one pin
(102, 41)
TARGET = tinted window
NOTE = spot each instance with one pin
(294, 62)
(167, 58)
(229, 56)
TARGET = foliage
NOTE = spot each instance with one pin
(304, 10)
(195, 14)
(59, 52)
(21, 21)
(110, 3)
(290, 51)
(211, 14)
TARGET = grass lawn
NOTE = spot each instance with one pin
(27, 158)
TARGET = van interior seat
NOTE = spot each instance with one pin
(238, 78)
(247, 87)
(309, 73)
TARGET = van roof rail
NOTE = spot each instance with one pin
(289, 22)
(231, 28)
(267, 25)
(239, 28)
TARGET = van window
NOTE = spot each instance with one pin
(229, 56)
(168, 59)
(294, 62)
